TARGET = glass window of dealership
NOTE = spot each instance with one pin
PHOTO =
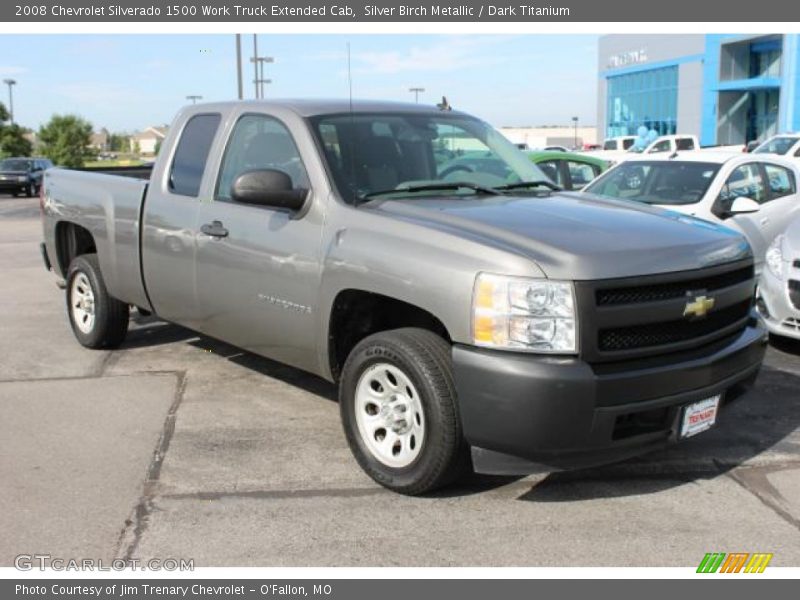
(726, 89)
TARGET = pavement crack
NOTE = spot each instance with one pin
(278, 494)
(754, 480)
(135, 527)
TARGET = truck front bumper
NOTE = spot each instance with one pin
(524, 413)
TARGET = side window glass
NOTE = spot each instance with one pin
(662, 146)
(260, 142)
(745, 181)
(552, 169)
(781, 180)
(581, 174)
(191, 155)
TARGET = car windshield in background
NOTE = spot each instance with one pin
(778, 145)
(417, 154)
(15, 165)
(656, 182)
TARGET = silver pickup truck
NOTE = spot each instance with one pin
(472, 314)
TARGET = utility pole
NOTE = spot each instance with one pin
(194, 98)
(10, 83)
(261, 60)
(239, 66)
(416, 91)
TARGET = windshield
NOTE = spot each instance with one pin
(656, 182)
(778, 145)
(15, 165)
(370, 154)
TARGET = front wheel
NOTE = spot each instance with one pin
(399, 411)
(98, 320)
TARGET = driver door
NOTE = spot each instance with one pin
(258, 267)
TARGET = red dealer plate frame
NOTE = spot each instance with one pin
(699, 416)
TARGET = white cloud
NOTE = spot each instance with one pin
(450, 54)
(95, 94)
(7, 70)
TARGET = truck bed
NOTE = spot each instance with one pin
(108, 203)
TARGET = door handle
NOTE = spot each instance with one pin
(764, 220)
(214, 229)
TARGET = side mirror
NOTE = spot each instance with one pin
(743, 205)
(268, 187)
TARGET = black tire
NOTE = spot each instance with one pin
(110, 315)
(29, 190)
(425, 358)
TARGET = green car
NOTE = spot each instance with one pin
(569, 170)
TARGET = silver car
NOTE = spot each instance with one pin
(779, 287)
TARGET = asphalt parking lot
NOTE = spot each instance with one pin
(181, 446)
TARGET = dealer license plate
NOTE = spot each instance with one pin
(699, 416)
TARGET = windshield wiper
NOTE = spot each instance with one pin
(530, 184)
(436, 187)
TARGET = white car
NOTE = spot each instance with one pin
(778, 298)
(787, 145)
(753, 194)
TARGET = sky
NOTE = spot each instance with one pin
(128, 82)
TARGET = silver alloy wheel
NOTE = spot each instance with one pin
(82, 302)
(389, 415)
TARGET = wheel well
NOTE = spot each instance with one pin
(357, 314)
(72, 240)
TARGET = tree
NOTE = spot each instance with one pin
(119, 142)
(13, 141)
(12, 137)
(65, 140)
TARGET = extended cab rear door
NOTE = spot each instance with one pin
(170, 217)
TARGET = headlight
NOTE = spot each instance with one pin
(774, 257)
(537, 315)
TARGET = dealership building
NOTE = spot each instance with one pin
(726, 89)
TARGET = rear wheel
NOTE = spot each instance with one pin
(29, 190)
(399, 411)
(98, 320)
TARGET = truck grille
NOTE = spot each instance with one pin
(659, 334)
(668, 291)
(647, 316)
(794, 293)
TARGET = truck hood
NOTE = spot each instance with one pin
(578, 236)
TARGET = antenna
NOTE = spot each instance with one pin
(352, 143)
(349, 78)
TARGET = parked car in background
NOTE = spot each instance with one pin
(754, 194)
(787, 145)
(555, 149)
(778, 296)
(570, 170)
(620, 143)
(22, 175)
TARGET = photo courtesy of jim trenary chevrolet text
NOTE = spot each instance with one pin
(344, 299)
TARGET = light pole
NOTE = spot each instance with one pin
(194, 98)
(10, 83)
(416, 91)
(575, 143)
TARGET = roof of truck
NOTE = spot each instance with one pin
(310, 107)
